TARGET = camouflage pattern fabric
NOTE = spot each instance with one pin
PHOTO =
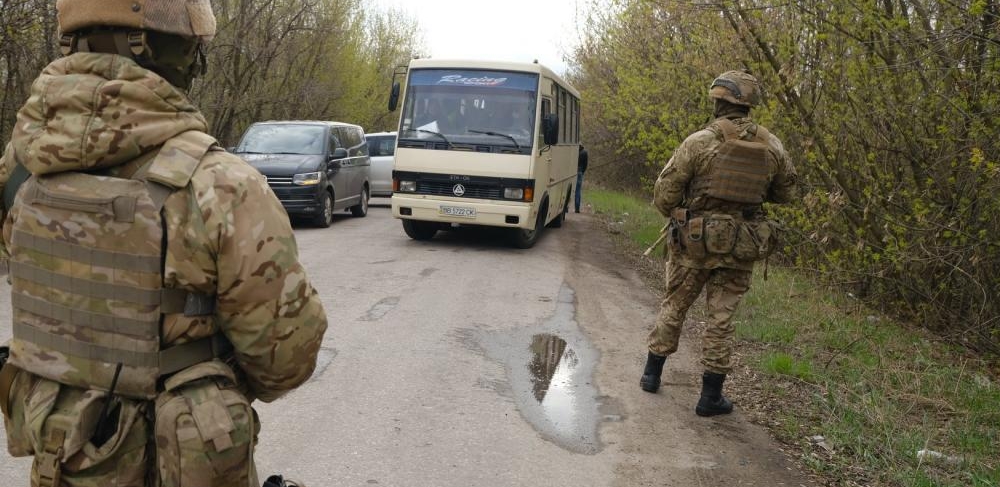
(724, 277)
(6, 168)
(227, 235)
(693, 159)
(724, 288)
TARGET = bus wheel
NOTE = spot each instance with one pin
(418, 230)
(525, 239)
(559, 219)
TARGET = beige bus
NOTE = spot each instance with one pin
(484, 143)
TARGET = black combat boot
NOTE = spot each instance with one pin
(650, 381)
(712, 401)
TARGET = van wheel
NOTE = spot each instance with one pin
(325, 217)
(559, 219)
(361, 209)
(418, 230)
(525, 239)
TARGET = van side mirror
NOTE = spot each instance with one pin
(550, 128)
(339, 153)
(394, 97)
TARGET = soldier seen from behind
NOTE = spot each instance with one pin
(712, 191)
(156, 287)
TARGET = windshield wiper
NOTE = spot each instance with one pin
(497, 134)
(439, 134)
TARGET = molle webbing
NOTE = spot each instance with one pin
(87, 283)
(740, 172)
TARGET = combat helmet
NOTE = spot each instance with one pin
(737, 87)
(165, 36)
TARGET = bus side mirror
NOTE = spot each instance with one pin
(394, 97)
(550, 128)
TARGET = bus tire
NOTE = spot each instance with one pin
(561, 217)
(525, 239)
(418, 230)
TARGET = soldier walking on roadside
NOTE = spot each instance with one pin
(711, 191)
(156, 287)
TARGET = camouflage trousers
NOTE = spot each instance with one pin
(724, 288)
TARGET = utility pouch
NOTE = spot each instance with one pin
(693, 237)
(205, 430)
(720, 234)
(755, 240)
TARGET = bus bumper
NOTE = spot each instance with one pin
(490, 213)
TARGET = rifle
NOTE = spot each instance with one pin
(664, 232)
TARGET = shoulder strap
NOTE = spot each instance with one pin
(761, 133)
(178, 158)
(728, 128)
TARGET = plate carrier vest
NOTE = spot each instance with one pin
(739, 172)
(87, 257)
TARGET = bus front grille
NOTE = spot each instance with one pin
(448, 189)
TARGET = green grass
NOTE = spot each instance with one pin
(636, 216)
(877, 391)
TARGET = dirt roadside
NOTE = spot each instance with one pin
(664, 442)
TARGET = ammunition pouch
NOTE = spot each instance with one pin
(205, 429)
(755, 240)
(721, 234)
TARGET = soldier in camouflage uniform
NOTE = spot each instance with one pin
(155, 279)
(711, 191)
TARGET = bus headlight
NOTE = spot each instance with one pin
(407, 186)
(306, 179)
(513, 193)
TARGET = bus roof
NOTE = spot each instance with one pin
(497, 65)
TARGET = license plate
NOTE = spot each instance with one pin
(458, 211)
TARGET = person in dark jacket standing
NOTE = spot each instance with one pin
(581, 167)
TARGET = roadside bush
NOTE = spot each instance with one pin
(888, 109)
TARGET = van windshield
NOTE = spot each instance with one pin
(283, 139)
(458, 106)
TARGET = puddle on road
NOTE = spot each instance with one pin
(550, 369)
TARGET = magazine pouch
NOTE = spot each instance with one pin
(205, 430)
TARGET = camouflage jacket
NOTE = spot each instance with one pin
(227, 233)
(694, 158)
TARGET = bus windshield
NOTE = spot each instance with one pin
(471, 107)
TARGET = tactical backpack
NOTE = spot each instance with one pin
(87, 259)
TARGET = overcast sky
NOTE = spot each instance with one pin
(504, 30)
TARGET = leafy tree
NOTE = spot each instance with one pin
(888, 107)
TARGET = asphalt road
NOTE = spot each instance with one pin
(463, 362)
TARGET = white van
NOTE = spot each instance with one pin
(382, 149)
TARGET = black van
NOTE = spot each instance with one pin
(314, 168)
